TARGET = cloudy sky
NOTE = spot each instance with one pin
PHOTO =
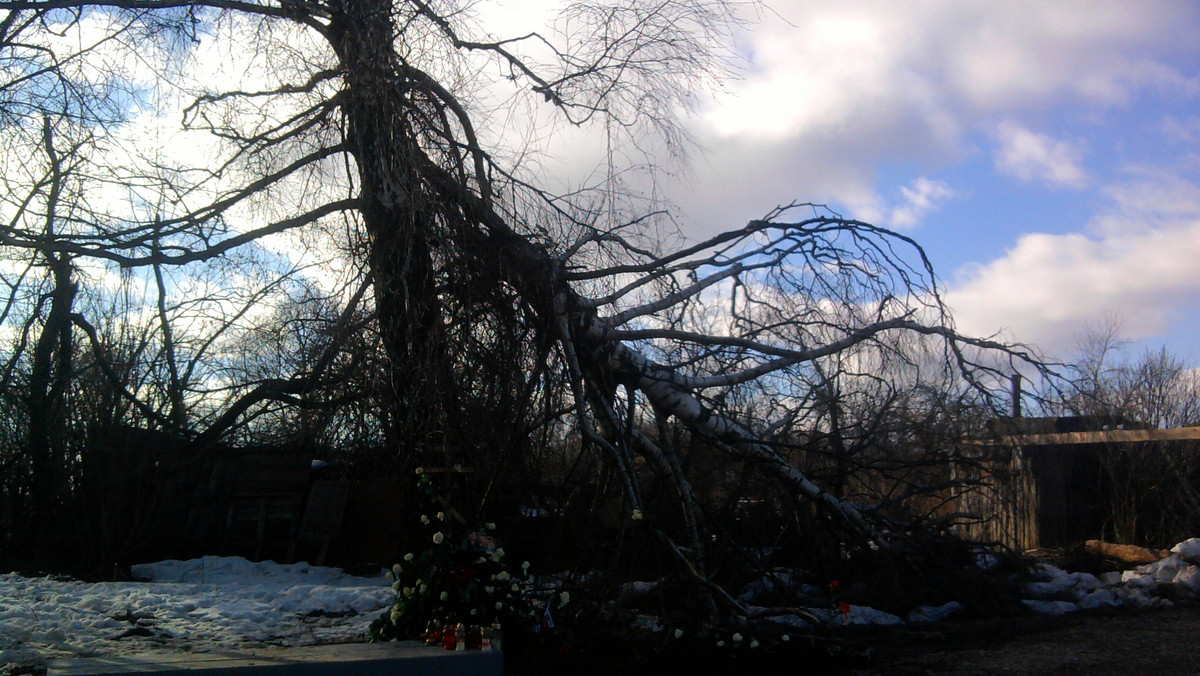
(1046, 154)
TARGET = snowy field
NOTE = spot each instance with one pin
(213, 602)
(186, 605)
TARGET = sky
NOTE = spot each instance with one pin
(1046, 155)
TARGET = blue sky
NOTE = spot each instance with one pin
(1045, 154)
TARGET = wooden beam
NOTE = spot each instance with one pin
(1099, 437)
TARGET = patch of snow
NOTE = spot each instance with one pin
(1057, 583)
(924, 614)
(766, 584)
(1139, 597)
(1187, 548)
(798, 622)
(1165, 570)
(1138, 580)
(1100, 598)
(1188, 580)
(1111, 578)
(196, 605)
(860, 615)
(985, 560)
(1053, 589)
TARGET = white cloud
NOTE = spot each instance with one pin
(1030, 156)
(1137, 261)
(920, 197)
(826, 66)
(834, 90)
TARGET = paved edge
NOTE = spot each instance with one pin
(408, 658)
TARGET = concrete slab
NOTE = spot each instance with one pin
(403, 658)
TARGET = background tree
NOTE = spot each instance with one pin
(1151, 486)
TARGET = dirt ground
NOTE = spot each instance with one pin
(1152, 641)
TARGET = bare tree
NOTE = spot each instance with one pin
(1149, 486)
(493, 295)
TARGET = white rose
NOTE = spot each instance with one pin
(438, 537)
(443, 596)
(408, 556)
(737, 638)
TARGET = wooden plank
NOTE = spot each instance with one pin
(1097, 437)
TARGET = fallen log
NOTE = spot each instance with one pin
(1132, 555)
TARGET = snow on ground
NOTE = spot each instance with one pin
(1056, 591)
(1053, 592)
(195, 605)
(216, 602)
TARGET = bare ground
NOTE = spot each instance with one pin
(1128, 642)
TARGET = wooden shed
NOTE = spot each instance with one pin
(1045, 481)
